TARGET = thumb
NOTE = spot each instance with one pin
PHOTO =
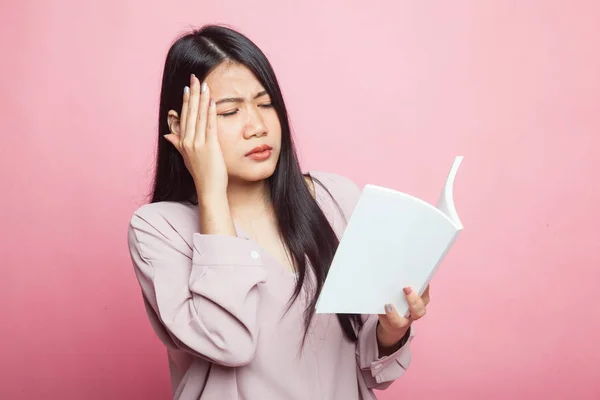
(173, 139)
(395, 320)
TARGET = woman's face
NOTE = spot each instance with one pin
(245, 120)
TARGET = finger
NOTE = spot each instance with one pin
(211, 126)
(192, 116)
(184, 110)
(425, 296)
(396, 321)
(426, 289)
(203, 114)
(415, 304)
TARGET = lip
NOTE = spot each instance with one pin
(259, 149)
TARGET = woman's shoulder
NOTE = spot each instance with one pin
(170, 210)
(336, 188)
(341, 184)
(168, 219)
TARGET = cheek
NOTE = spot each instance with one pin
(274, 127)
(226, 143)
(228, 140)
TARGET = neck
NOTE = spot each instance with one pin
(248, 200)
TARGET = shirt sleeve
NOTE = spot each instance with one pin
(380, 372)
(204, 300)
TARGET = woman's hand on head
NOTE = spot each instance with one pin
(197, 141)
(392, 326)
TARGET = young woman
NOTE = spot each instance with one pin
(234, 247)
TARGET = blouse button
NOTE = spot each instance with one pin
(254, 254)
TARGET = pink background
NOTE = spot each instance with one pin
(383, 92)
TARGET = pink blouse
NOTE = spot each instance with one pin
(218, 304)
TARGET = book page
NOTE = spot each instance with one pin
(446, 201)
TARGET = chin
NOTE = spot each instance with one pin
(256, 171)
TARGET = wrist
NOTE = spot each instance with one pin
(215, 216)
(388, 340)
(212, 200)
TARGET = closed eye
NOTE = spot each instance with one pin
(228, 113)
(233, 112)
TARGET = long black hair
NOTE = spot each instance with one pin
(303, 226)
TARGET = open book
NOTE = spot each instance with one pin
(392, 240)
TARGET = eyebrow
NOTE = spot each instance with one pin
(239, 99)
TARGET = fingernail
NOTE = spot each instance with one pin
(204, 87)
(407, 290)
(192, 76)
(186, 90)
(388, 308)
(211, 102)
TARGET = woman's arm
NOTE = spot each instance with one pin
(206, 301)
(380, 370)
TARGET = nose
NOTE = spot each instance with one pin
(255, 125)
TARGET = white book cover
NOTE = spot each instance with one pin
(392, 240)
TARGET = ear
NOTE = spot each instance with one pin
(173, 121)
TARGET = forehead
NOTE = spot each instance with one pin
(232, 79)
